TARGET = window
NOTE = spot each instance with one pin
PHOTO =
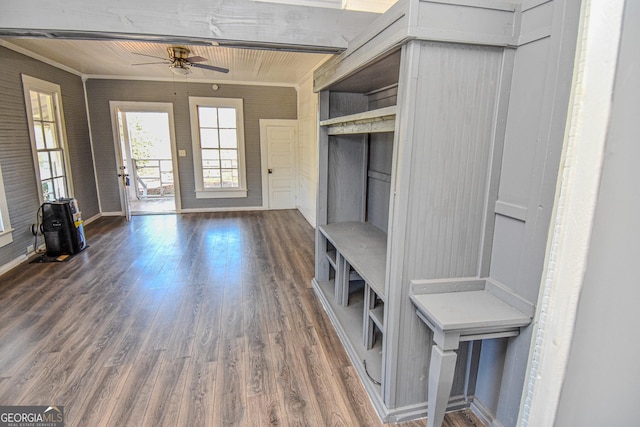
(6, 236)
(48, 139)
(218, 147)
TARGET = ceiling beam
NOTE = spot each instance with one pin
(238, 23)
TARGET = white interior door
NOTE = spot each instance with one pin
(279, 142)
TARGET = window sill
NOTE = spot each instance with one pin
(220, 194)
(6, 237)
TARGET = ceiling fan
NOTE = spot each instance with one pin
(180, 62)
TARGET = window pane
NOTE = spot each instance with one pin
(37, 132)
(228, 180)
(60, 187)
(35, 107)
(228, 138)
(210, 159)
(211, 183)
(50, 137)
(211, 178)
(47, 191)
(49, 147)
(227, 117)
(236, 180)
(211, 173)
(209, 138)
(46, 106)
(229, 154)
(45, 166)
(211, 163)
(208, 117)
(57, 163)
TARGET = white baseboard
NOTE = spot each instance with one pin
(205, 210)
(307, 216)
(13, 264)
(23, 258)
(120, 213)
(93, 218)
(229, 209)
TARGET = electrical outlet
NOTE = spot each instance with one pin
(29, 249)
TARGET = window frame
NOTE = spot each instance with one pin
(6, 232)
(214, 102)
(31, 83)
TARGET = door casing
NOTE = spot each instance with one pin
(264, 124)
(153, 107)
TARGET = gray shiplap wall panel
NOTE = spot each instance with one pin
(260, 102)
(346, 182)
(378, 203)
(491, 366)
(379, 183)
(450, 160)
(451, 149)
(383, 98)
(507, 248)
(536, 121)
(15, 146)
(525, 109)
(344, 103)
(536, 21)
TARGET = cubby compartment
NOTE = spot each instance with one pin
(359, 151)
(331, 255)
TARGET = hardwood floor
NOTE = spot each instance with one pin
(182, 320)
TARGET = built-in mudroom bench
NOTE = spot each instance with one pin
(428, 171)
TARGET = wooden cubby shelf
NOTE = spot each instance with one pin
(378, 120)
(377, 315)
(364, 247)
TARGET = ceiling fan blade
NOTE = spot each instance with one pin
(211, 67)
(151, 63)
(196, 59)
(150, 56)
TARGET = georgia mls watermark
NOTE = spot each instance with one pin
(31, 416)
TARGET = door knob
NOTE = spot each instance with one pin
(270, 170)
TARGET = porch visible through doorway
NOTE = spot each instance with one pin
(147, 154)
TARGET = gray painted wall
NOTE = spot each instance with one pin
(534, 134)
(15, 146)
(260, 102)
(601, 384)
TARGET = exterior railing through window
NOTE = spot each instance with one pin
(153, 178)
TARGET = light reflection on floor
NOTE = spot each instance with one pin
(151, 206)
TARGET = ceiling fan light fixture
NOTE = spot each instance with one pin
(180, 70)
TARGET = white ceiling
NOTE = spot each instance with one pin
(114, 58)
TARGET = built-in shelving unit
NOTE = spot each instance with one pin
(407, 128)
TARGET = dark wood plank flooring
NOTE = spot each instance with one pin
(182, 320)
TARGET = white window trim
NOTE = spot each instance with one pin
(6, 232)
(201, 192)
(31, 83)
